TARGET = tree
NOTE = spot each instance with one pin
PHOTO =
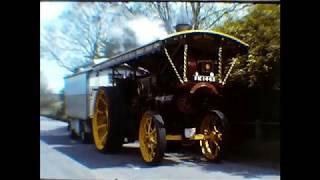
(260, 28)
(84, 32)
(45, 99)
(198, 15)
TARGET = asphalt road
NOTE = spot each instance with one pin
(63, 158)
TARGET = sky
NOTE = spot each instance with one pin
(49, 11)
(145, 30)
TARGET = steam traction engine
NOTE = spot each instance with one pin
(168, 90)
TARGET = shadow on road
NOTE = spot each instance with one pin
(87, 155)
(245, 170)
(235, 169)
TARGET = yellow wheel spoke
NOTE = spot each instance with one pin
(215, 129)
(152, 150)
(102, 100)
(209, 150)
(104, 137)
(99, 111)
(219, 136)
(153, 132)
(207, 144)
(153, 141)
(203, 150)
(102, 126)
(146, 125)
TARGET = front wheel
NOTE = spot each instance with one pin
(152, 138)
(212, 126)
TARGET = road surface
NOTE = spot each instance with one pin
(63, 158)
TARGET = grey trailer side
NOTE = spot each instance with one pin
(76, 92)
(77, 105)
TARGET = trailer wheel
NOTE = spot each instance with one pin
(106, 123)
(85, 137)
(213, 127)
(73, 134)
(69, 126)
(152, 138)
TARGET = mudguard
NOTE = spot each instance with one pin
(223, 118)
(159, 119)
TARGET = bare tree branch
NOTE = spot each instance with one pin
(225, 12)
(59, 61)
(81, 35)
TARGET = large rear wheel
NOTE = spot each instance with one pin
(106, 123)
(152, 138)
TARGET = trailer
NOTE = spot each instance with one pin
(79, 96)
(170, 90)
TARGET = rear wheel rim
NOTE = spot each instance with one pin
(211, 146)
(148, 138)
(101, 123)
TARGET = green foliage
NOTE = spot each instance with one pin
(260, 28)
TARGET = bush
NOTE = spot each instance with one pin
(51, 107)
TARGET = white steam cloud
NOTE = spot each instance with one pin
(147, 30)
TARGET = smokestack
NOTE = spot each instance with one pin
(182, 20)
(183, 27)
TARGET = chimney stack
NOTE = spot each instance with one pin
(183, 27)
